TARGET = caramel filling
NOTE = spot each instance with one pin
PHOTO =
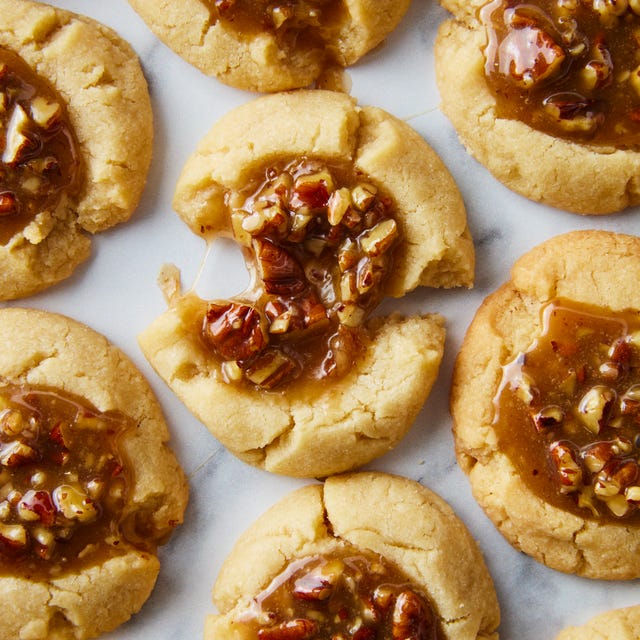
(569, 68)
(64, 482)
(319, 241)
(352, 595)
(288, 19)
(40, 155)
(568, 411)
(301, 27)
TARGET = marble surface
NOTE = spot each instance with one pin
(116, 294)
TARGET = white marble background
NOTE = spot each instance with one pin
(116, 294)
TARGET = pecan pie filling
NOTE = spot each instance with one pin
(319, 241)
(63, 482)
(568, 412)
(40, 160)
(350, 595)
(570, 68)
(292, 21)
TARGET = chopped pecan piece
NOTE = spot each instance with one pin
(18, 143)
(411, 620)
(37, 505)
(17, 453)
(13, 538)
(621, 474)
(313, 586)
(595, 407)
(234, 330)
(565, 464)
(574, 112)
(298, 629)
(224, 5)
(630, 401)
(597, 72)
(74, 504)
(380, 238)
(364, 195)
(281, 273)
(11, 422)
(8, 204)
(548, 417)
(312, 190)
(45, 113)
(272, 368)
(597, 455)
(529, 55)
(338, 205)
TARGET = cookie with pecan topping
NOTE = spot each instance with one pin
(88, 486)
(271, 46)
(76, 142)
(292, 374)
(546, 409)
(617, 624)
(546, 96)
(342, 558)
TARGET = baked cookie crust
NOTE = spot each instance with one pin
(53, 351)
(543, 168)
(368, 510)
(580, 266)
(323, 428)
(257, 61)
(617, 624)
(100, 79)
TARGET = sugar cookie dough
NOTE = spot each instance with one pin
(293, 375)
(89, 487)
(361, 514)
(267, 47)
(557, 144)
(90, 116)
(544, 409)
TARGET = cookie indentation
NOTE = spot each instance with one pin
(566, 68)
(41, 162)
(568, 407)
(319, 242)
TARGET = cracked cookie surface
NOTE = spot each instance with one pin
(264, 53)
(541, 166)
(98, 78)
(367, 512)
(59, 358)
(334, 423)
(571, 527)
